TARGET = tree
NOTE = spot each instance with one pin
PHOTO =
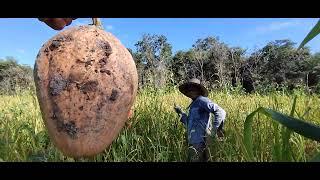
(277, 64)
(154, 54)
(236, 60)
(14, 76)
(311, 68)
(211, 57)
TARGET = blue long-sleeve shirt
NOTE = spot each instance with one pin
(198, 123)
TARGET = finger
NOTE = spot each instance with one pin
(55, 23)
(68, 21)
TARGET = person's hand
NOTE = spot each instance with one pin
(220, 133)
(57, 23)
(178, 109)
(130, 114)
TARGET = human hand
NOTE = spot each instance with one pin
(178, 109)
(57, 23)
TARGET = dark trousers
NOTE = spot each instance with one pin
(200, 152)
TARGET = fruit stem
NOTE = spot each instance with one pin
(97, 22)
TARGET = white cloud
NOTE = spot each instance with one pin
(109, 27)
(21, 51)
(276, 26)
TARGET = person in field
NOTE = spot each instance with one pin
(198, 123)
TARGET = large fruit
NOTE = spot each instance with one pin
(86, 83)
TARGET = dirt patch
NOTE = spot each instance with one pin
(114, 95)
(90, 86)
(57, 85)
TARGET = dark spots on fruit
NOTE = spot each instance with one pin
(87, 97)
(96, 71)
(108, 49)
(68, 38)
(71, 129)
(92, 50)
(105, 46)
(105, 71)
(65, 38)
(114, 95)
(50, 59)
(54, 45)
(59, 124)
(81, 108)
(90, 86)
(57, 85)
(88, 63)
(73, 78)
(100, 104)
(102, 62)
(46, 51)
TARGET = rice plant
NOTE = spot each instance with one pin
(156, 134)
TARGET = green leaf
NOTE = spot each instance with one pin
(303, 128)
(286, 134)
(316, 158)
(313, 33)
(247, 135)
(293, 106)
(286, 153)
(276, 147)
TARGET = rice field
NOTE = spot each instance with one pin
(156, 134)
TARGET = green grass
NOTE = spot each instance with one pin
(157, 135)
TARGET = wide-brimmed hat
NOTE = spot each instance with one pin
(193, 85)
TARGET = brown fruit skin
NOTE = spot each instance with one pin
(86, 83)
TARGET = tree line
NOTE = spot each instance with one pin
(278, 65)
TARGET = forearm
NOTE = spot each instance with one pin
(183, 118)
(219, 116)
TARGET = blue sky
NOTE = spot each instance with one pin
(23, 37)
